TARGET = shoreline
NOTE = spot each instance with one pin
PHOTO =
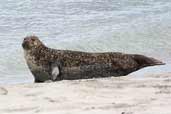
(122, 95)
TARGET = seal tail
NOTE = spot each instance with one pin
(144, 61)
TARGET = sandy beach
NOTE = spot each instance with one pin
(150, 94)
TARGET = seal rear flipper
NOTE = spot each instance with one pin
(144, 61)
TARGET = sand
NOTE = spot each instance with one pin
(150, 94)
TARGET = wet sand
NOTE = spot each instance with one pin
(150, 94)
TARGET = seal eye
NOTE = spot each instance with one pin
(33, 40)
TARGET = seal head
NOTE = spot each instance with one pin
(30, 43)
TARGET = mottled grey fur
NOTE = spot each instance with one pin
(45, 62)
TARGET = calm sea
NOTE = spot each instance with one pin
(129, 26)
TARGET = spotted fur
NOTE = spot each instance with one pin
(79, 65)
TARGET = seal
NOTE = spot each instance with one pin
(52, 64)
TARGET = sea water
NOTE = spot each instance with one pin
(128, 26)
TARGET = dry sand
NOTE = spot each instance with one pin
(122, 95)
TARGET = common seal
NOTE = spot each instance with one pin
(51, 64)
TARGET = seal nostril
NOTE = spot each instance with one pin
(26, 39)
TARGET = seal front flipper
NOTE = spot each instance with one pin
(55, 72)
